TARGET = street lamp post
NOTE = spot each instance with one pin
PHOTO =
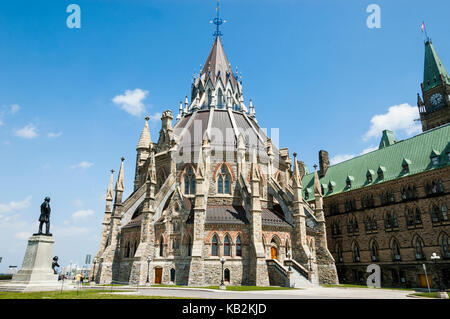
(435, 257)
(222, 284)
(94, 261)
(149, 259)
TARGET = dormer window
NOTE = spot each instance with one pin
(405, 166)
(380, 172)
(434, 157)
(435, 160)
(369, 176)
(348, 181)
(448, 156)
(330, 186)
(306, 194)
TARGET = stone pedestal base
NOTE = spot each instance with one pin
(36, 273)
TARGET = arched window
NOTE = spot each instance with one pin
(189, 182)
(209, 97)
(355, 251)
(127, 249)
(418, 216)
(172, 275)
(226, 275)
(161, 246)
(440, 186)
(444, 212)
(214, 246)
(220, 99)
(135, 247)
(311, 246)
(223, 181)
(160, 179)
(394, 219)
(374, 250)
(418, 245)
(226, 246)
(388, 220)
(395, 250)
(435, 214)
(238, 246)
(339, 252)
(445, 244)
(189, 246)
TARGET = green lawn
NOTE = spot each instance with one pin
(83, 294)
(231, 288)
(428, 294)
(361, 286)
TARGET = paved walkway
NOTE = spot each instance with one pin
(306, 293)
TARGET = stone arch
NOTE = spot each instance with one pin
(229, 168)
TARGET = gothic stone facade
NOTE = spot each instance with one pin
(213, 186)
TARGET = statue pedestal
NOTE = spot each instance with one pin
(36, 273)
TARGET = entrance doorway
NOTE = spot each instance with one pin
(158, 275)
(273, 253)
(423, 281)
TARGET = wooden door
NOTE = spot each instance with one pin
(273, 253)
(158, 275)
(423, 281)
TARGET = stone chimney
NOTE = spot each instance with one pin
(166, 120)
(324, 163)
(301, 168)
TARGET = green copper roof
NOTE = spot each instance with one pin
(433, 68)
(387, 139)
(388, 160)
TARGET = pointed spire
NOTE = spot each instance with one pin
(180, 111)
(144, 140)
(109, 191)
(251, 108)
(151, 175)
(435, 73)
(120, 177)
(200, 164)
(317, 187)
(254, 167)
(297, 178)
(217, 62)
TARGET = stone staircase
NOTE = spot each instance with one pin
(280, 275)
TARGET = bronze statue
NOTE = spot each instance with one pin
(55, 264)
(45, 217)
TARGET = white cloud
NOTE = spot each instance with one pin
(83, 164)
(79, 214)
(23, 235)
(54, 135)
(15, 206)
(15, 108)
(69, 231)
(131, 101)
(343, 157)
(1, 122)
(399, 118)
(155, 117)
(369, 149)
(29, 131)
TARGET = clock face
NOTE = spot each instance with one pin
(436, 99)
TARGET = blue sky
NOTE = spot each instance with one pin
(313, 69)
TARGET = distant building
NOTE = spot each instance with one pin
(12, 270)
(390, 206)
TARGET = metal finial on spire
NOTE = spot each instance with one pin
(218, 21)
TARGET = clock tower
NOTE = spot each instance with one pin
(434, 106)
